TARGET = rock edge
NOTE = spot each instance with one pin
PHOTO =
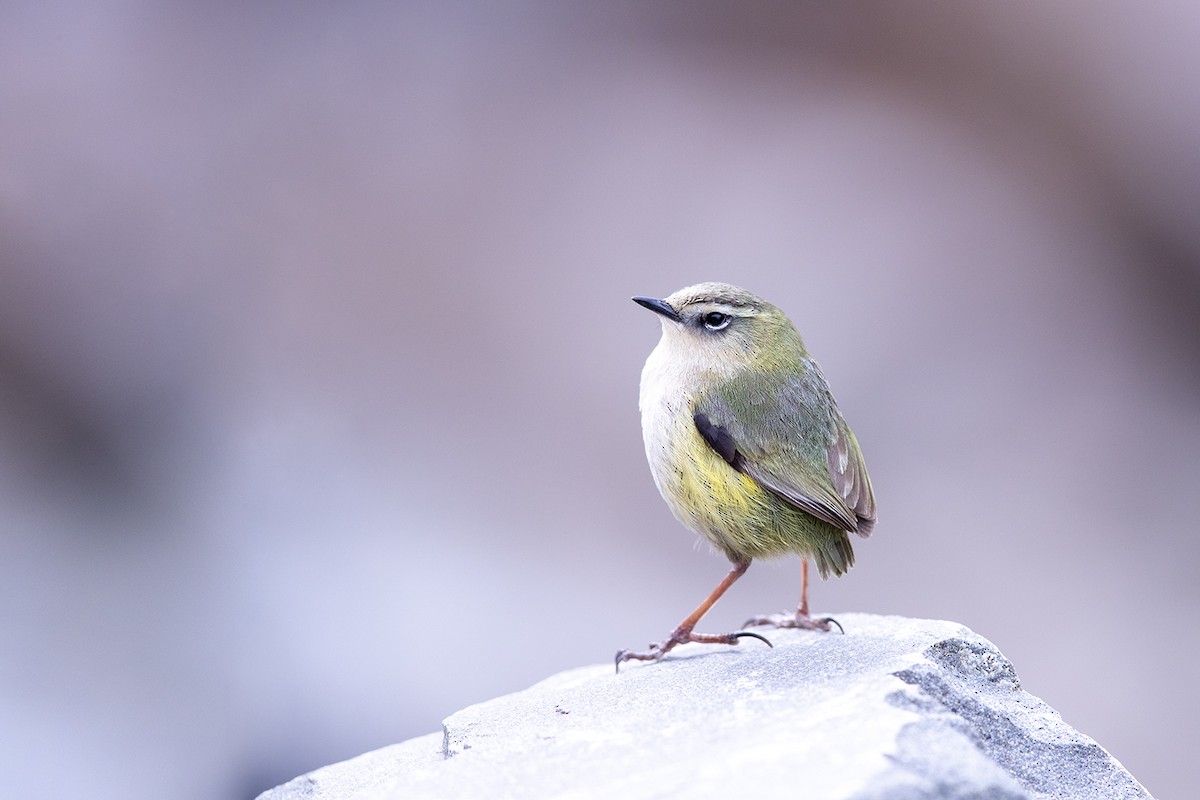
(897, 708)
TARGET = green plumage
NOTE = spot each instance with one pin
(783, 428)
(782, 472)
(747, 446)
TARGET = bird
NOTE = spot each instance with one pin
(747, 447)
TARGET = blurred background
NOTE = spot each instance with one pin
(318, 370)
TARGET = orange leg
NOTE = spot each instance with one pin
(801, 618)
(684, 632)
(802, 609)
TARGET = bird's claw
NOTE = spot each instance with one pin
(752, 635)
(800, 621)
(659, 649)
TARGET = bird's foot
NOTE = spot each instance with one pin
(680, 636)
(796, 620)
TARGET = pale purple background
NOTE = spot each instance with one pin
(318, 371)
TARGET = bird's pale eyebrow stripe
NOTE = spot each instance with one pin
(722, 308)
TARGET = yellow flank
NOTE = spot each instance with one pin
(721, 484)
(730, 508)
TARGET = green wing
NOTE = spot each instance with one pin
(787, 434)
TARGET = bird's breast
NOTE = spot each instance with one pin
(703, 491)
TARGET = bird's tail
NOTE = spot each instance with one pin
(834, 555)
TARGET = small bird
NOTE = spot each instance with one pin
(748, 448)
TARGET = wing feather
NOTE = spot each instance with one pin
(788, 435)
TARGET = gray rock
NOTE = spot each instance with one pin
(896, 708)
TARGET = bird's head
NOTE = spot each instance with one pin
(721, 326)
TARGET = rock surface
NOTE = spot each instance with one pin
(896, 708)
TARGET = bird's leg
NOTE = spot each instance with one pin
(802, 609)
(684, 632)
(800, 619)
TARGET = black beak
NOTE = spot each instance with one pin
(658, 307)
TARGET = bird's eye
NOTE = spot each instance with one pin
(715, 320)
